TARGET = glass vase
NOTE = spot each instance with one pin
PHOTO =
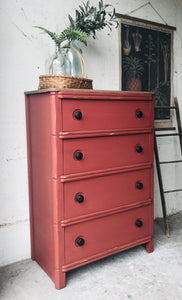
(60, 64)
(75, 65)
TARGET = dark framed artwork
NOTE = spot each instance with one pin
(146, 62)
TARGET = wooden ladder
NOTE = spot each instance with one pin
(158, 162)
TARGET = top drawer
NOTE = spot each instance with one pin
(88, 115)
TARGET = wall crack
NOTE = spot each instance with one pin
(14, 223)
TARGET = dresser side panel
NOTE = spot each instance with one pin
(40, 157)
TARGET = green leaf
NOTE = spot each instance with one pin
(77, 14)
(101, 5)
(71, 34)
(53, 35)
(71, 20)
(110, 28)
(81, 8)
(87, 5)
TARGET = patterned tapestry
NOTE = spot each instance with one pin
(146, 64)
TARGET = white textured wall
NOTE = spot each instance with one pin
(23, 54)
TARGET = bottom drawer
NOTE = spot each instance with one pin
(89, 238)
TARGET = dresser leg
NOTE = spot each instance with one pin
(150, 246)
(60, 279)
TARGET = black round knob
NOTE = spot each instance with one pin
(78, 115)
(139, 185)
(139, 114)
(80, 241)
(139, 149)
(79, 198)
(139, 223)
(79, 155)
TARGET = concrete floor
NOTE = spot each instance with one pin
(132, 274)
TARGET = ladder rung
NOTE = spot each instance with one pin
(170, 162)
(168, 134)
(174, 219)
(172, 191)
(165, 107)
(164, 128)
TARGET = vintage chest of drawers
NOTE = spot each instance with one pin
(90, 160)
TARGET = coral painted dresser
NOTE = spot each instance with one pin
(90, 159)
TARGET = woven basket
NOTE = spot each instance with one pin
(66, 81)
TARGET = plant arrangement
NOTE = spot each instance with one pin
(60, 63)
(133, 67)
(88, 20)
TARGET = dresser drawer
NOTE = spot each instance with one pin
(106, 233)
(89, 154)
(104, 115)
(93, 195)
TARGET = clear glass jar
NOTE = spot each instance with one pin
(75, 65)
(60, 63)
(66, 61)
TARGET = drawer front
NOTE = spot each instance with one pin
(103, 115)
(83, 155)
(102, 193)
(106, 233)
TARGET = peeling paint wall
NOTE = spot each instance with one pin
(24, 53)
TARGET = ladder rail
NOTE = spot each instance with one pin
(161, 189)
(158, 163)
(178, 122)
